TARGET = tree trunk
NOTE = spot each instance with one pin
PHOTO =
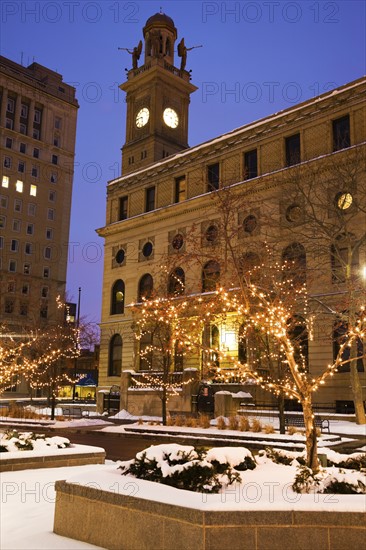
(281, 413)
(53, 405)
(163, 405)
(356, 388)
(311, 438)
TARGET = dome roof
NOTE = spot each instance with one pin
(160, 18)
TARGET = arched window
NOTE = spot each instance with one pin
(339, 335)
(118, 298)
(178, 356)
(115, 356)
(298, 334)
(146, 351)
(249, 266)
(145, 289)
(344, 258)
(210, 276)
(168, 47)
(176, 282)
(294, 261)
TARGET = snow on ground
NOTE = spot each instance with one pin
(27, 508)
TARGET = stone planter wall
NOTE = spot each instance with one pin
(120, 522)
(62, 458)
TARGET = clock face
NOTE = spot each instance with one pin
(142, 117)
(171, 118)
(344, 200)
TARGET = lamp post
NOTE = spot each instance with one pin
(76, 344)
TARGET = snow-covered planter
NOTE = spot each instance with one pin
(184, 467)
(13, 441)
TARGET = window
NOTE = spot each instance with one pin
(25, 288)
(53, 177)
(115, 356)
(8, 143)
(17, 225)
(146, 351)
(56, 141)
(9, 306)
(7, 162)
(250, 224)
(211, 234)
(150, 199)
(23, 128)
(22, 148)
(43, 312)
(3, 201)
(18, 204)
(341, 133)
(44, 292)
(292, 144)
(26, 269)
(180, 193)
(36, 133)
(21, 167)
(52, 196)
(37, 116)
(339, 335)
(123, 208)
(54, 159)
(210, 276)
(33, 190)
(294, 262)
(176, 282)
(14, 245)
(49, 234)
(19, 186)
(58, 123)
(5, 182)
(32, 208)
(12, 266)
(34, 172)
(298, 334)
(177, 241)
(118, 298)
(2, 222)
(249, 267)
(47, 252)
(213, 176)
(120, 256)
(147, 249)
(10, 104)
(50, 214)
(24, 110)
(145, 288)
(28, 248)
(1, 242)
(178, 357)
(46, 272)
(250, 164)
(23, 309)
(36, 153)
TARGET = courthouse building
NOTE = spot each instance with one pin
(38, 113)
(163, 208)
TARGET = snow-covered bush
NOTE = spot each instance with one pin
(13, 441)
(280, 456)
(330, 480)
(185, 467)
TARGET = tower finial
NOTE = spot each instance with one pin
(161, 9)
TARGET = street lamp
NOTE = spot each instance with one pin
(76, 344)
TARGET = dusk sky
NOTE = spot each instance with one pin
(257, 58)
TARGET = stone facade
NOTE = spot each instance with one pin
(262, 165)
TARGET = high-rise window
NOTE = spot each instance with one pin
(180, 193)
(213, 177)
(250, 164)
(341, 133)
(123, 208)
(150, 199)
(292, 144)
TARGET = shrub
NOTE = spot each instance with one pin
(140, 422)
(269, 429)
(233, 423)
(179, 420)
(280, 456)
(326, 481)
(185, 467)
(204, 421)
(221, 423)
(292, 430)
(256, 425)
(191, 422)
(244, 424)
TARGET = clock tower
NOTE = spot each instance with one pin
(158, 96)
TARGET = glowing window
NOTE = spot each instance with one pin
(33, 190)
(5, 181)
(19, 186)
